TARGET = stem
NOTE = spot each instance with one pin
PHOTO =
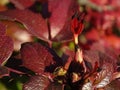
(15, 71)
(78, 51)
(78, 55)
(76, 39)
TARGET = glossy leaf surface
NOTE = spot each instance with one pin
(6, 45)
(114, 85)
(6, 48)
(60, 18)
(34, 23)
(2, 29)
(37, 83)
(39, 58)
(106, 65)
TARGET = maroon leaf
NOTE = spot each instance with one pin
(107, 49)
(114, 85)
(105, 76)
(34, 23)
(2, 29)
(41, 83)
(102, 58)
(22, 4)
(106, 65)
(39, 58)
(6, 48)
(60, 18)
(55, 86)
(37, 83)
(91, 57)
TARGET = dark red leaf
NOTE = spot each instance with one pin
(104, 59)
(18, 34)
(102, 2)
(2, 29)
(93, 35)
(55, 86)
(37, 83)
(101, 58)
(114, 85)
(61, 14)
(91, 57)
(22, 4)
(105, 76)
(59, 20)
(6, 48)
(108, 50)
(39, 58)
(34, 23)
(41, 83)
(6, 45)
(106, 66)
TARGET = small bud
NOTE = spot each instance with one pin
(77, 23)
(76, 26)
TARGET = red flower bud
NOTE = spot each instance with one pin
(77, 23)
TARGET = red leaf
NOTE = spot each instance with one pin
(39, 58)
(113, 40)
(6, 48)
(91, 57)
(102, 58)
(2, 29)
(61, 13)
(18, 34)
(6, 45)
(108, 50)
(37, 83)
(93, 35)
(22, 4)
(55, 86)
(59, 20)
(114, 85)
(106, 65)
(34, 23)
(102, 2)
(41, 83)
